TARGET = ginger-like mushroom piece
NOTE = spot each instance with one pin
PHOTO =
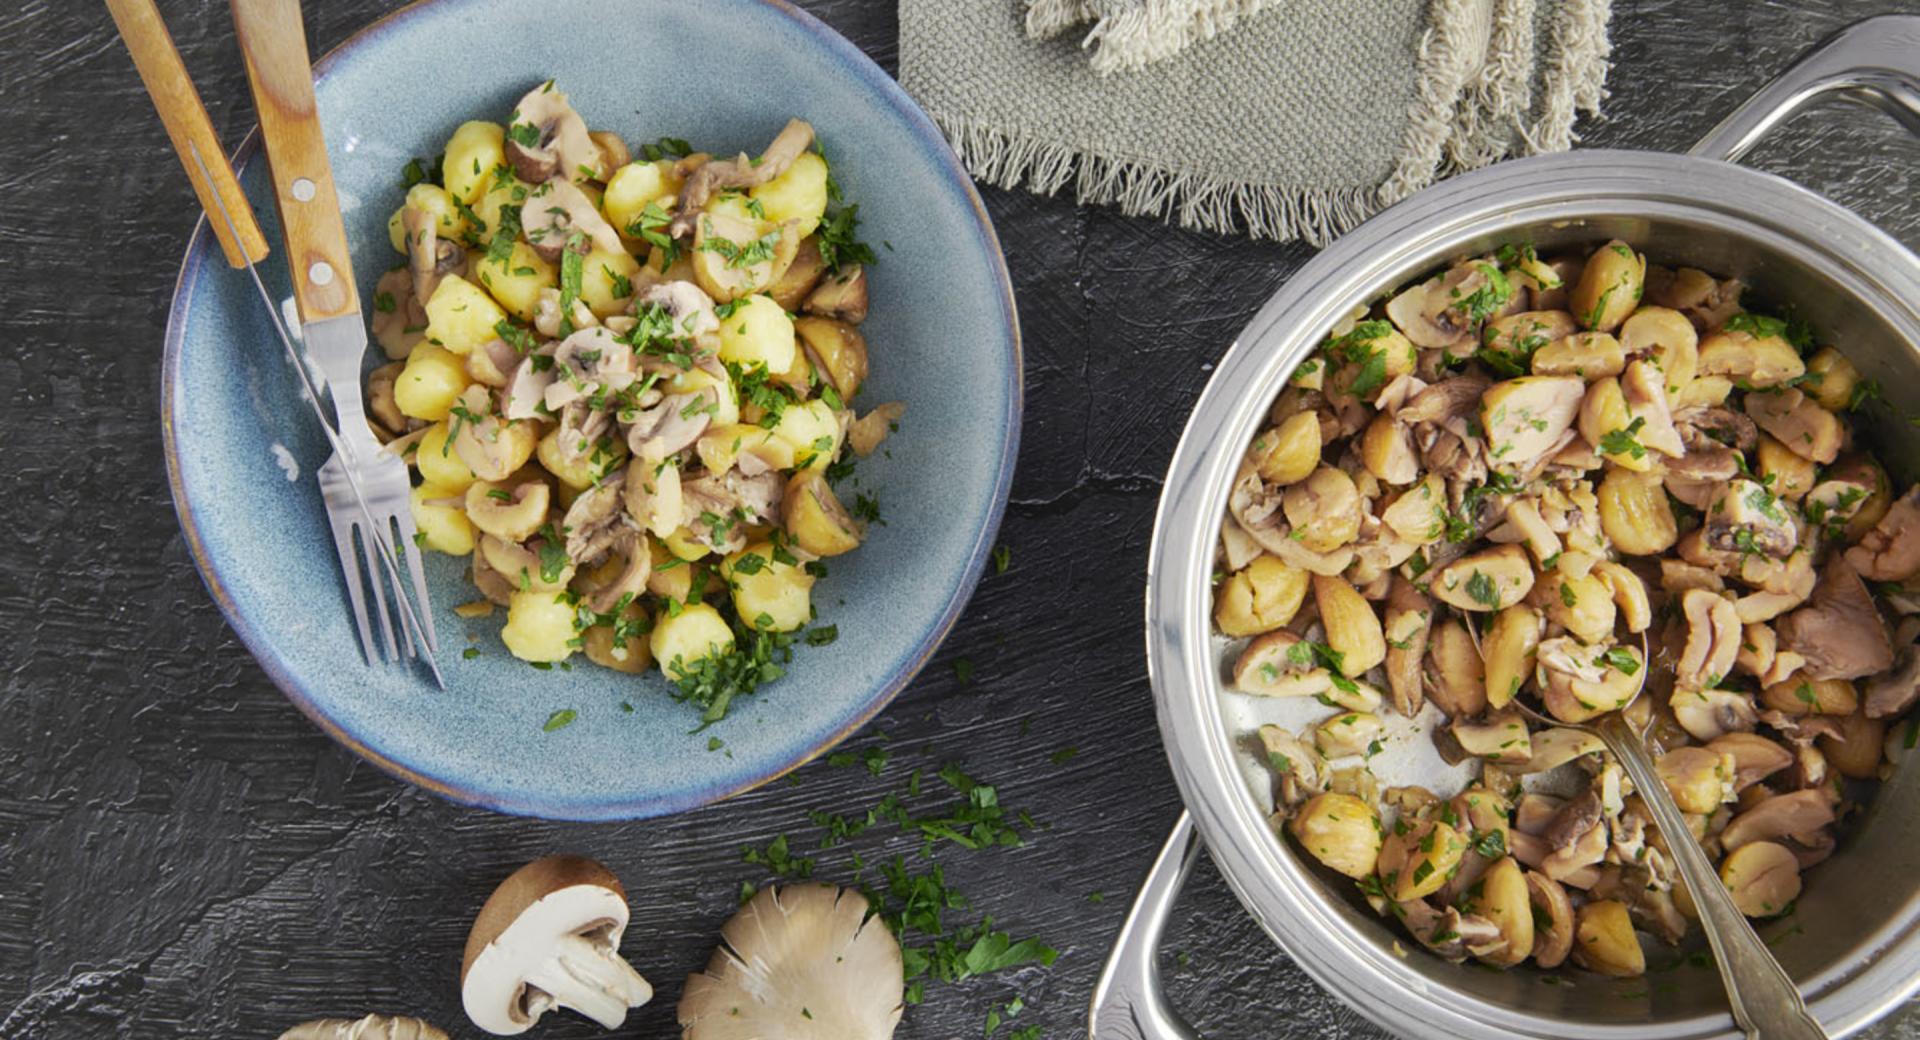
(372, 1027)
(803, 962)
(549, 937)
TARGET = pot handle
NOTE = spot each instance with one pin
(1875, 61)
(1129, 1003)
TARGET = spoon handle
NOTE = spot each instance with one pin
(1764, 999)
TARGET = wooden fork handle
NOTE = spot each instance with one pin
(185, 118)
(275, 48)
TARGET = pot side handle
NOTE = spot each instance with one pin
(1129, 1002)
(1875, 61)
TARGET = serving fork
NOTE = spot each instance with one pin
(366, 490)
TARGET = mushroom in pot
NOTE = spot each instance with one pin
(803, 961)
(1745, 517)
(1712, 713)
(689, 307)
(549, 937)
(1890, 550)
(1299, 769)
(1839, 631)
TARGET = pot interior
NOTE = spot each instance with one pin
(1856, 906)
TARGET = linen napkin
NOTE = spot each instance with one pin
(1278, 119)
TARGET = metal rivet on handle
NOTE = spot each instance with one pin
(321, 273)
(303, 189)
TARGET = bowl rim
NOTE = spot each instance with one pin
(1265, 874)
(887, 91)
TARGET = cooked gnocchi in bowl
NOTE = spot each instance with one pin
(628, 386)
(1545, 481)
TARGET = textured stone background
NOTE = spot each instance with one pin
(181, 854)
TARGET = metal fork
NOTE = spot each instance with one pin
(366, 490)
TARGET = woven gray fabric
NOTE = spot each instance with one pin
(1294, 121)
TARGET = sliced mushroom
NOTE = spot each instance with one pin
(1454, 398)
(1299, 771)
(1713, 640)
(1409, 617)
(672, 426)
(1643, 386)
(1573, 819)
(1579, 681)
(1891, 693)
(1890, 550)
(547, 138)
(429, 257)
(1553, 920)
(1839, 631)
(1526, 417)
(800, 960)
(1501, 737)
(491, 446)
(1745, 517)
(740, 172)
(549, 937)
(689, 307)
(1778, 817)
(1448, 932)
(559, 216)
(399, 319)
(595, 520)
(1709, 714)
(526, 389)
(842, 296)
(1586, 849)
(1798, 422)
(636, 566)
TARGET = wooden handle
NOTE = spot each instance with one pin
(185, 118)
(275, 48)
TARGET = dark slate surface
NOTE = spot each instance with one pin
(181, 854)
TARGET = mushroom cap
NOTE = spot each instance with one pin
(529, 885)
(372, 1027)
(802, 962)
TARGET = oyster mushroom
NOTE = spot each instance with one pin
(559, 216)
(842, 296)
(372, 1027)
(1890, 550)
(1891, 693)
(549, 937)
(1839, 631)
(547, 138)
(595, 520)
(636, 567)
(1449, 933)
(1713, 640)
(1781, 816)
(740, 172)
(802, 961)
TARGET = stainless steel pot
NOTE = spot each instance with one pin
(1859, 952)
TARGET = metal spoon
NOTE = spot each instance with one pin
(1764, 1000)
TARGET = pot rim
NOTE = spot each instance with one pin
(1419, 233)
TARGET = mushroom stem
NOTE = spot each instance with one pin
(586, 975)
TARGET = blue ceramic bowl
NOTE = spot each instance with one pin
(942, 334)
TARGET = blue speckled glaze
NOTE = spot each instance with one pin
(943, 338)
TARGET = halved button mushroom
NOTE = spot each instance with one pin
(1745, 517)
(547, 138)
(804, 961)
(549, 937)
(1712, 713)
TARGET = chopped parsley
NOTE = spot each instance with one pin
(1623, 443)
(838, 246)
